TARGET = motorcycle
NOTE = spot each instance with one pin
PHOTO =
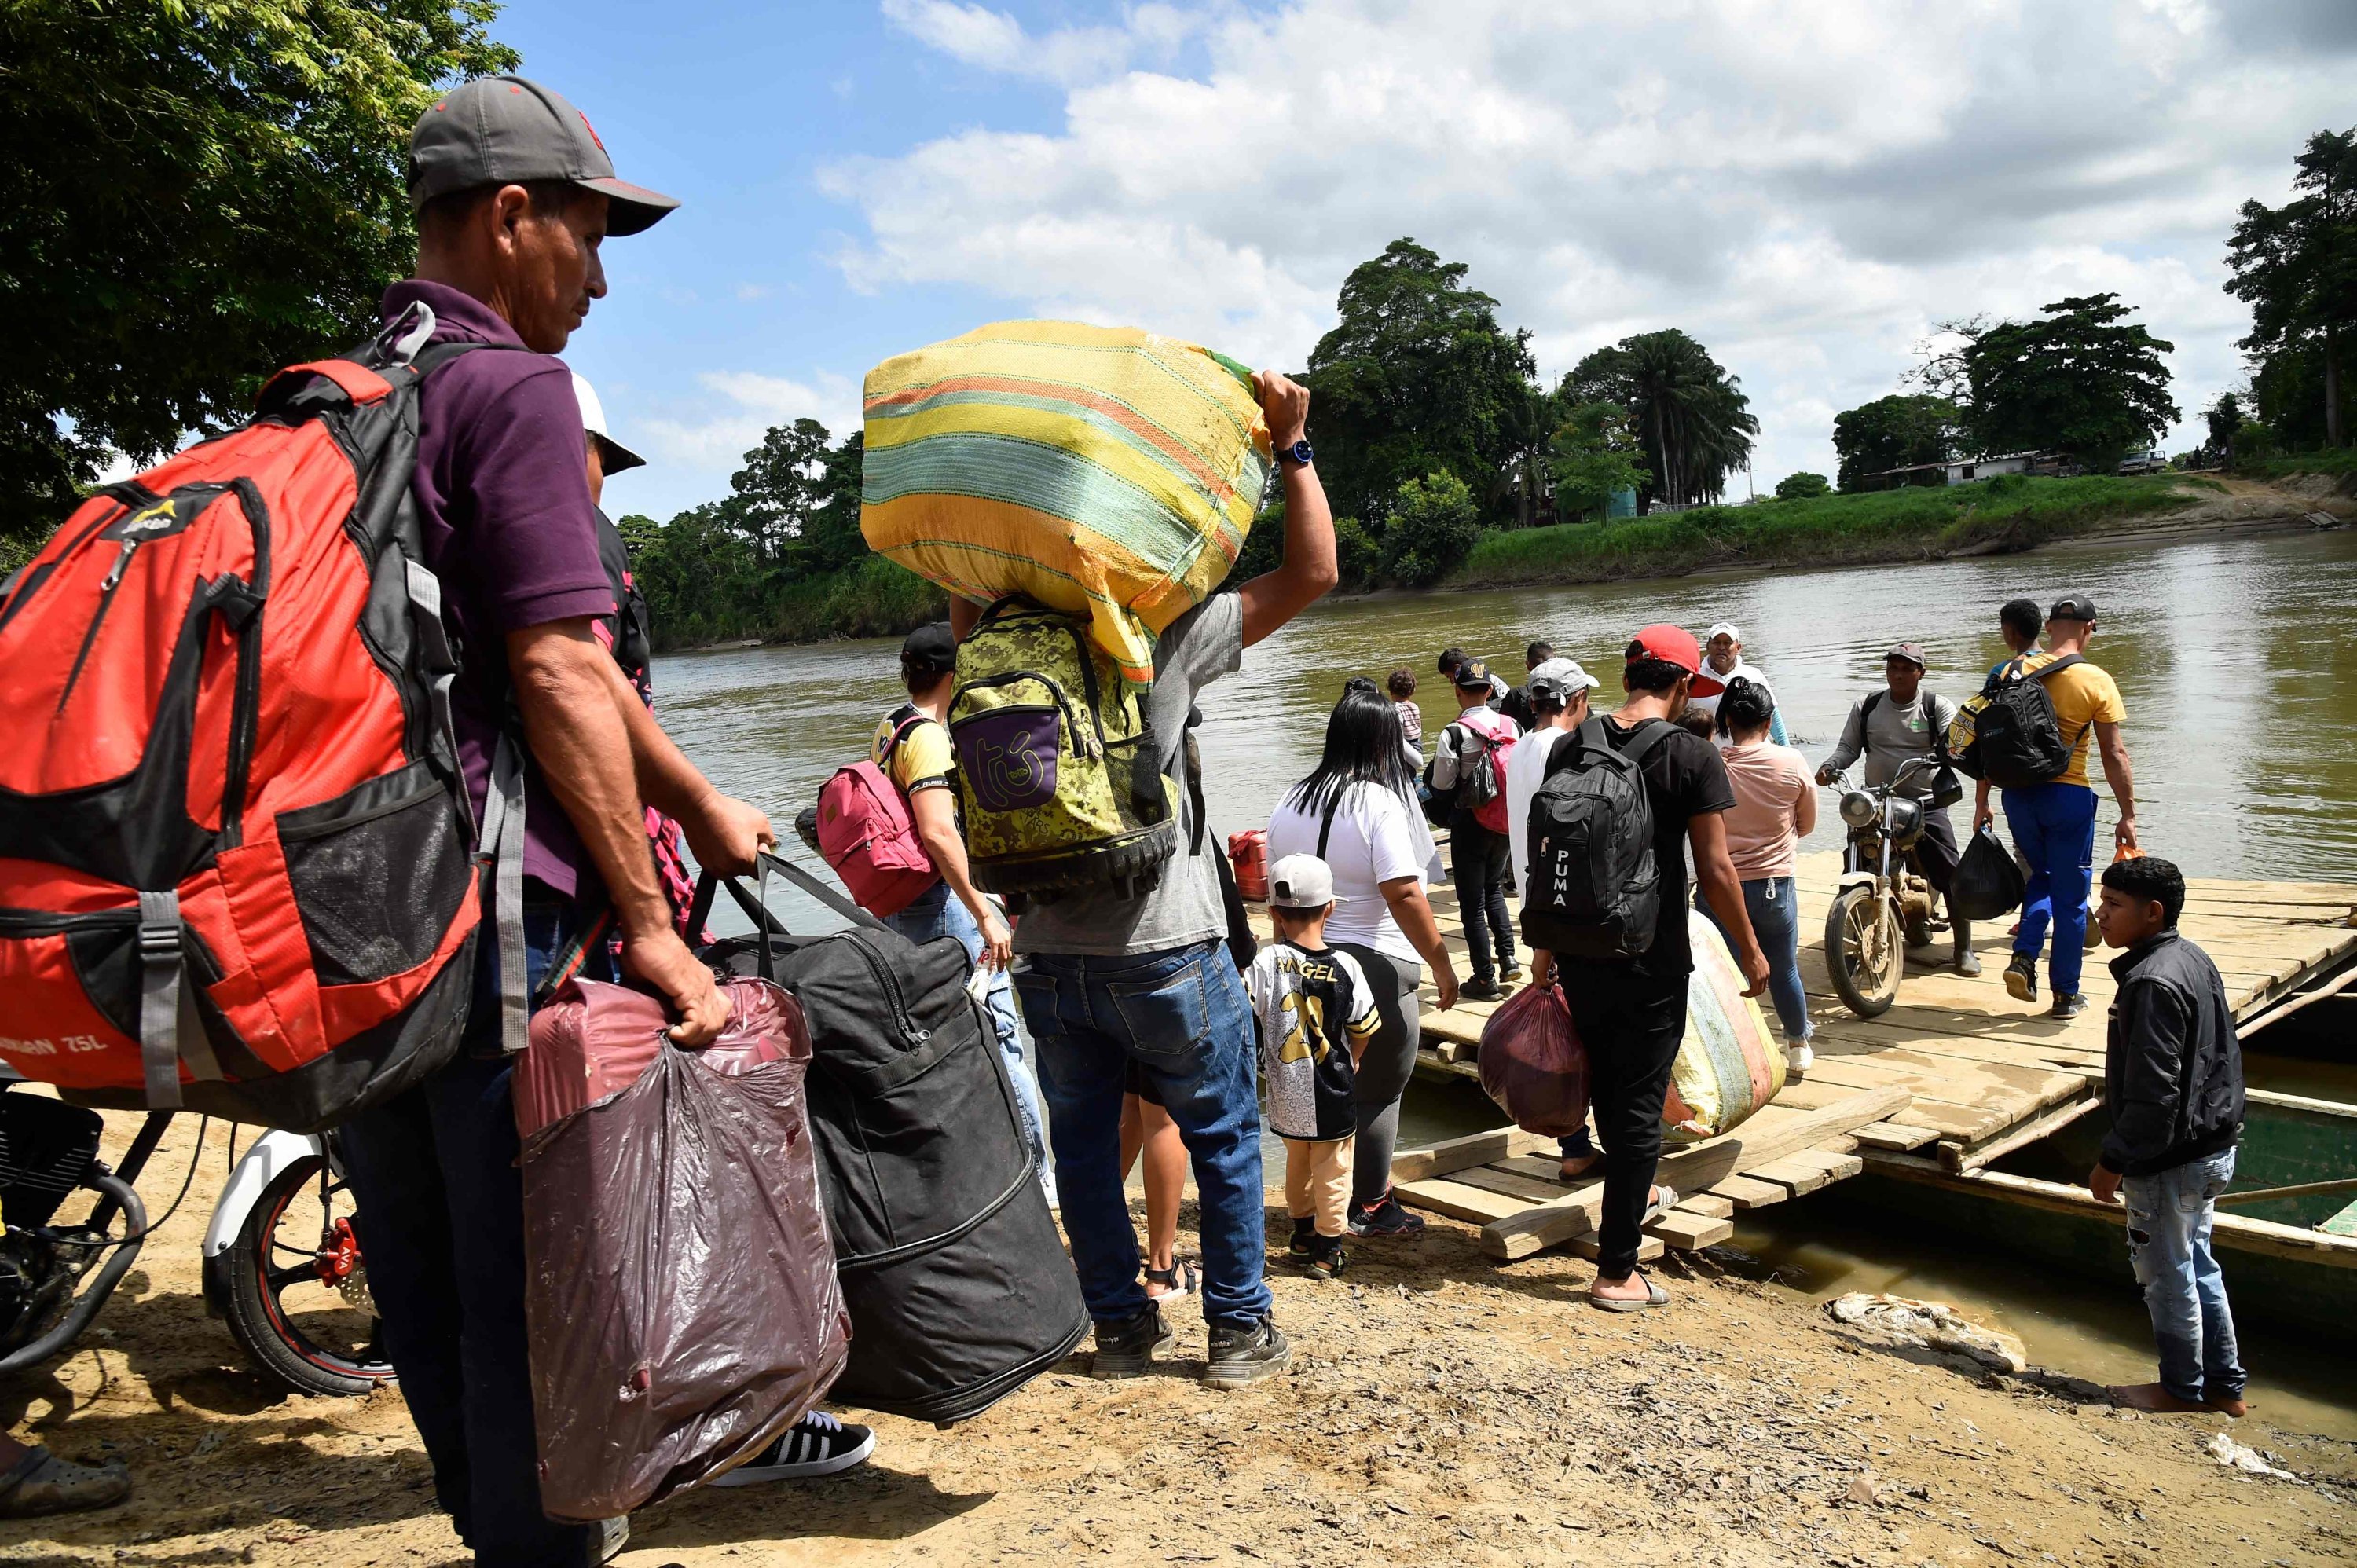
(281, 1263)
(1882, 906)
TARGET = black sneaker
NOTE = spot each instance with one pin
(817, 1444)
(1240, 1356)
(2067, 1005)
(1126, 1350)
(1326, 1259)
(1510, 973)
(1480, 991)
(1304, 1237)
(2021, 978)
(1384, 1219)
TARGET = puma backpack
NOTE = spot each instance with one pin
(240, 873)
(1056, 771)
(1594, 890)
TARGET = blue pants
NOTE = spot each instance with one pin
(2054, 828)
(1182, 1017)
(1774, 905)
(2168, 1243)
(940, 914)
(441, 1226)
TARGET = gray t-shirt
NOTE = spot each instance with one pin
(1185, 907)
(1892, 732)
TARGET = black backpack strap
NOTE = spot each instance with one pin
(1326, 827)
(2059, 665)
(1653, 733)
(1873, 701)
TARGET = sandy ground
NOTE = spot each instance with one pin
(1440, 1408)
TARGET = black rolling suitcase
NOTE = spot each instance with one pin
(957, 1282)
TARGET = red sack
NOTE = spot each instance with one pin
(1532, 1064)
(1248, 853)
(679, 1278)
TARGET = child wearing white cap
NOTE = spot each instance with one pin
(1316, 1012)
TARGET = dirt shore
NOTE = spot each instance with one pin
(1440, 1409)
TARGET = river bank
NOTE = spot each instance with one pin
(1440, 1408)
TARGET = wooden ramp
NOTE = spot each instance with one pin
(1968, 1072)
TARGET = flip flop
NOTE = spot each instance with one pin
(1669, 1200)
(1654, 1296)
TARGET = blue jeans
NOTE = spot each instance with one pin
(2168, 1243)
(2054, 828)
(1181, 1016)
(441, 1224)
(941, 914)
(1773, 903)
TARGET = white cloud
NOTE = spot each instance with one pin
(713, 436)
(1807, 186)
(993, 40)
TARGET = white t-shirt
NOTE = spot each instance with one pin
(1377, 836)
(1526, 768)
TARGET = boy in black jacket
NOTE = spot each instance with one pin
(2173, 1079)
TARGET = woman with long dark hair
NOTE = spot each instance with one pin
(1357, 812)
(1775, 808)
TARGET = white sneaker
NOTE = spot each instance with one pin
(1798, 1058)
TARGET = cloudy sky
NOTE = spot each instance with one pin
(1807, 186)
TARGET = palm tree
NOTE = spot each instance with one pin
(1691, 415)
(1526, 424)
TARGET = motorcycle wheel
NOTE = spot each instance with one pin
(1865, 951)
(313, 1331)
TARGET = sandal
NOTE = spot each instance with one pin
(1654, 1296)
(42, 1483)
(1668, 1200)
(1178, 1281)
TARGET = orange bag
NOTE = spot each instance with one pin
(1248, 851)
(1532, 1064)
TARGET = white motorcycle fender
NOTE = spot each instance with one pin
(1849, 879)
(256, 1169)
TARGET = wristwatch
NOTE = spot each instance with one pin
(1298, 454)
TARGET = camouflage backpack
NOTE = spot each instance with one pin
(1055, 766)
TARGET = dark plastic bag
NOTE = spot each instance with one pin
(1987, 882)
(1532, 1064)
(680, 1285)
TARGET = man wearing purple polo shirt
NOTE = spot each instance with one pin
(514, 193)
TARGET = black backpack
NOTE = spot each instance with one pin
(2018, 738)
(953, 1271)
(1593, 890)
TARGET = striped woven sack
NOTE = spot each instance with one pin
(1729, 1065)
(1103, 472)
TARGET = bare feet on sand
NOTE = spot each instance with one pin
(2160, 1402)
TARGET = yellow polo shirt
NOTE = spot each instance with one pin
(922, 761)
(2083, 696)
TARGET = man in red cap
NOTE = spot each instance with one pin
(1627, 990)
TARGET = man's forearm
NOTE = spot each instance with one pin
(581, 749)
(667, 780)
(937, 830)
(2121, 777)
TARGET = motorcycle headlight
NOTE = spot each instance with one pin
(1857, 809)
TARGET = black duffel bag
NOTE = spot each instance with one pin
(952, 1267)
(1987, 882)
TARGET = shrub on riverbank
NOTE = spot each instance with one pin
(870, 597)
(2013, 512)
(2332, 460)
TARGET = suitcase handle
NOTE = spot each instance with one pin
(755, 902)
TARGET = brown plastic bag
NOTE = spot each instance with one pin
(679, 1286)
(1532, 1064)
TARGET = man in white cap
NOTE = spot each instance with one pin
(607, 456)
(1722, 662)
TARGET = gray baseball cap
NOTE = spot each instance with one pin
(505, 130)
(1301, 882)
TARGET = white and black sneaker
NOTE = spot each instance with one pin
(817, 1444)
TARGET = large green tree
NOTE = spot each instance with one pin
(1416, 378)
(193, 193)
(1691, 416)
(1594, 452)
(1895, 432)
(2296, 267)
(2077, 380)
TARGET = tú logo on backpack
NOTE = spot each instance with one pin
(1008, 757)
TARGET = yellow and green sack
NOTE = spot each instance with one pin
(1101, 471)
(1728, 1065)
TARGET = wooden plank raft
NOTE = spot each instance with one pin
(1503, 1180)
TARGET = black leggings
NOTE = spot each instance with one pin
(1631, 1025)
(1383, 1070)
(1477, 865)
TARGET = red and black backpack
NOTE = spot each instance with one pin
(237, 860)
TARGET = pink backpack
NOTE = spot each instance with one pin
(1488, 799)
(866, 834)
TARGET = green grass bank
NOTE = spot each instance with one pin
(2012, 512)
